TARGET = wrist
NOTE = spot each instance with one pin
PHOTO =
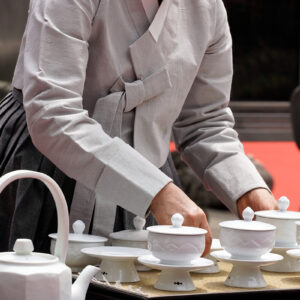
(257, 199)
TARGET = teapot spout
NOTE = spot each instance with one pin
(80, 286)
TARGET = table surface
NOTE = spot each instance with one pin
(208, 286)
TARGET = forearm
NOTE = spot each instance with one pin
(55, 63)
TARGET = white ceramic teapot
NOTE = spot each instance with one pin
(27, 275)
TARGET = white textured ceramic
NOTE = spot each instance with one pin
(27, 275)
(247, 239)
(216, 245)
(246, 273)
(75, 259)
(117, 264)
(174, 277)
(176, 244)
(135, 238)
(283, 220)
(289, 264)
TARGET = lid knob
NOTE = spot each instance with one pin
(283, 203)
(177, 220)
(248, 214)
(78, 227)
(139, 222)
(23, 246)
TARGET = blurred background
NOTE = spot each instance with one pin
(266, 49)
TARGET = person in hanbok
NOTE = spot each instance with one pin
(100, 87)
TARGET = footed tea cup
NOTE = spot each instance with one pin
(176, 244)
(247, 239)
(284, 220)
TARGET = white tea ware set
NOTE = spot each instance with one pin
(28, 275)
(174, 249)
(247, 245)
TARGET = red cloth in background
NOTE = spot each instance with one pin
(282, 160)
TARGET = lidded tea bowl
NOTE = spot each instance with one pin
(137, 238)
(284, 220)
(247, 239)
(176, 244)
(75, 259)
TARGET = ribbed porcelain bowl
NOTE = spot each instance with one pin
(176, 244)
(247, 239)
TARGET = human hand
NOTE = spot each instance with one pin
(257, 199)
(171, 200)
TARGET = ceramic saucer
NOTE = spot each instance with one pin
(174, 277)
(288, 264)
(246, 273)
(215, 245)
(295, 253)
(117, 262)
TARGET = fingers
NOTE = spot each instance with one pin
(197, 218)
(208, 236)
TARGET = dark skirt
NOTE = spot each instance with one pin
(27, 209)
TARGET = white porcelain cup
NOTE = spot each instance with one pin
(284, 221)
(75, 259)
(245, 244)
(247, 239)
(176, 244)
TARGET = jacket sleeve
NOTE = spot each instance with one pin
(204, 134)
(55, 61)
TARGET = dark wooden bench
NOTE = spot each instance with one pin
(263, 120)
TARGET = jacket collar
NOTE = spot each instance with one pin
(140, 20)
(146, 51)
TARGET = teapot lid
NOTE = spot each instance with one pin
(176, 228)
(78, 236)
(23, 255)
(137, 235)
(247, 223)
(282, 213)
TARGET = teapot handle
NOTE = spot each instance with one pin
(61, 245)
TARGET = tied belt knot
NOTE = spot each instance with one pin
(126, 96)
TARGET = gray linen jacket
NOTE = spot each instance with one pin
(83, 63)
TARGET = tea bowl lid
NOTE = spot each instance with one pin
(79, 237)
(247, 223)
(137, 235)
(282, 213)
(176, 228)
